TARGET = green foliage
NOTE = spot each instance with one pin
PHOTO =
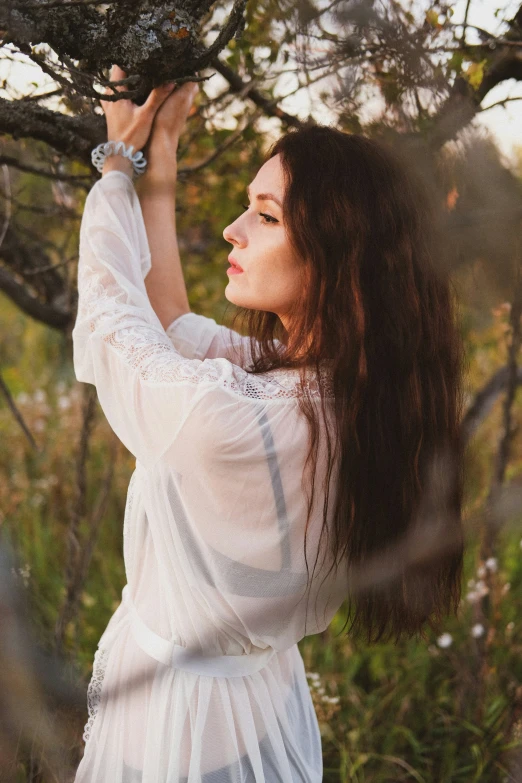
(474, 74)
(455, 62)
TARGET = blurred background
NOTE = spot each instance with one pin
(443, 80)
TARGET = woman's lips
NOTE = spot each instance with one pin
(234, 268)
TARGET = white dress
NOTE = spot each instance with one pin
(198, 677)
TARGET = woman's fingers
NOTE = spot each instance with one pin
(116, 75)
(157, 96)
(179, 103)
(128, 121)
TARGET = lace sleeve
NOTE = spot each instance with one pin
(145, 386)
(199, 337)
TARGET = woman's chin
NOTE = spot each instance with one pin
(232, 297)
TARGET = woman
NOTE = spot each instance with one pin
(311, 441)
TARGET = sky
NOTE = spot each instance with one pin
(504, 122)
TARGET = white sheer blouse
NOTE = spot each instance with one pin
(198, 676)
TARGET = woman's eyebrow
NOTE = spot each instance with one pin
(265, 197)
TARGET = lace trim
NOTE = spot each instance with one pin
(146, 349)
(94, 689)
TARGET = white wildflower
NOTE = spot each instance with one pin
(505, 588)
(481, 571)
(87, 600)
(492, 564)
(445, 640)
(60, 387)
(39, 396)
(23, 399)
(25, 571)
(477, 630)
(510, 626)
(481, 589)
(64, 403)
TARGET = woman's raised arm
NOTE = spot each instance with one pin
(157, 124)
(156, 191)
(165, 282)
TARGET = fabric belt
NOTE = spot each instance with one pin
(192, 661)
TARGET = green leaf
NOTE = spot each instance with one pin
(474, 74)
(432, 17)
(455, 62)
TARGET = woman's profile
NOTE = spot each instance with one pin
(278, 474)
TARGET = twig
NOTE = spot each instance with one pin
(46, 68)
(222, 147)
(77, 513)
(74, 87)
(18, 416)
(6, 160)
(50, 268)
(500, 103)
(8, 202)
(52, 94)
(465, 24)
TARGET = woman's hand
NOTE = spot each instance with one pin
(161, 152)
(128, 122)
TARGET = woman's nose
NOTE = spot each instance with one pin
(228, 236)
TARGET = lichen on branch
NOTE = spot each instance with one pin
(155, 41)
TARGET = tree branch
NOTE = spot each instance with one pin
(237, 85)
(72, 136)
(80, 180)
(464, 102)
(16, 413)
(47, 314)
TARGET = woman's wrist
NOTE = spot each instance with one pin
(154, 187)
(118, 163)
(162, 154)
(162, 171)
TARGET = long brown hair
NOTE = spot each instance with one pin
(378, 309)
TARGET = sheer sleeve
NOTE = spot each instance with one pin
(200, 337)
(146, 387)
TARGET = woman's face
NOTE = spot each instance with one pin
(271, 274)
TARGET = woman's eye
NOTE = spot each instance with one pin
(268, 218)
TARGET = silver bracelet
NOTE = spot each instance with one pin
(108, 148)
